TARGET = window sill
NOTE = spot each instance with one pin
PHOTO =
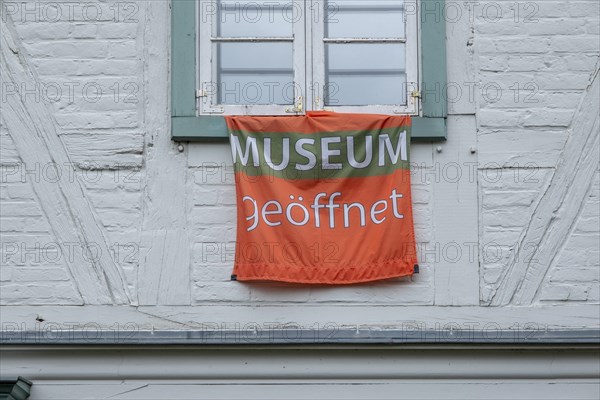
(214, 129)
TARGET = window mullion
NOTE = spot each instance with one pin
(317, 59)
(309, 94)
(299, 55)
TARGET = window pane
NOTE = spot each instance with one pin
(364, 19)
(255, 73)
(247, 18)
(365, 73)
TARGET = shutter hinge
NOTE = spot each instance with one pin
(298, 107)
(415, 94)
(206, 105)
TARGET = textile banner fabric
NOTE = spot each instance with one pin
(322, 198)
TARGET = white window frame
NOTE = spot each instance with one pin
(207, 92)
(308, 76)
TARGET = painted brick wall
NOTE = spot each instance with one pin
(87, 61)
(97, 74)
(548, 50)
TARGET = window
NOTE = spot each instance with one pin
(377, 56)
(285, 57)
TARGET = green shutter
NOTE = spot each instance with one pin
(432, 125)
(187, 126)
(183, 55)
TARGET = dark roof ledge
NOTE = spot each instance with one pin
(14, 389)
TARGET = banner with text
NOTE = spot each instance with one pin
(322, 198)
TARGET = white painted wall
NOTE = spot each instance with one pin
(529, 192)
(169, 216)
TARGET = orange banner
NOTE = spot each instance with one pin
(323, 198)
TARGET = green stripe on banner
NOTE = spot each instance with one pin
(327, 155)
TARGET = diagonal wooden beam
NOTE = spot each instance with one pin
(70, 214)
(557, 212)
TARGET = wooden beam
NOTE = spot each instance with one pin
(557, 212)
(65, 204)
(242, 317)
(454, 205)
(164, 271)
